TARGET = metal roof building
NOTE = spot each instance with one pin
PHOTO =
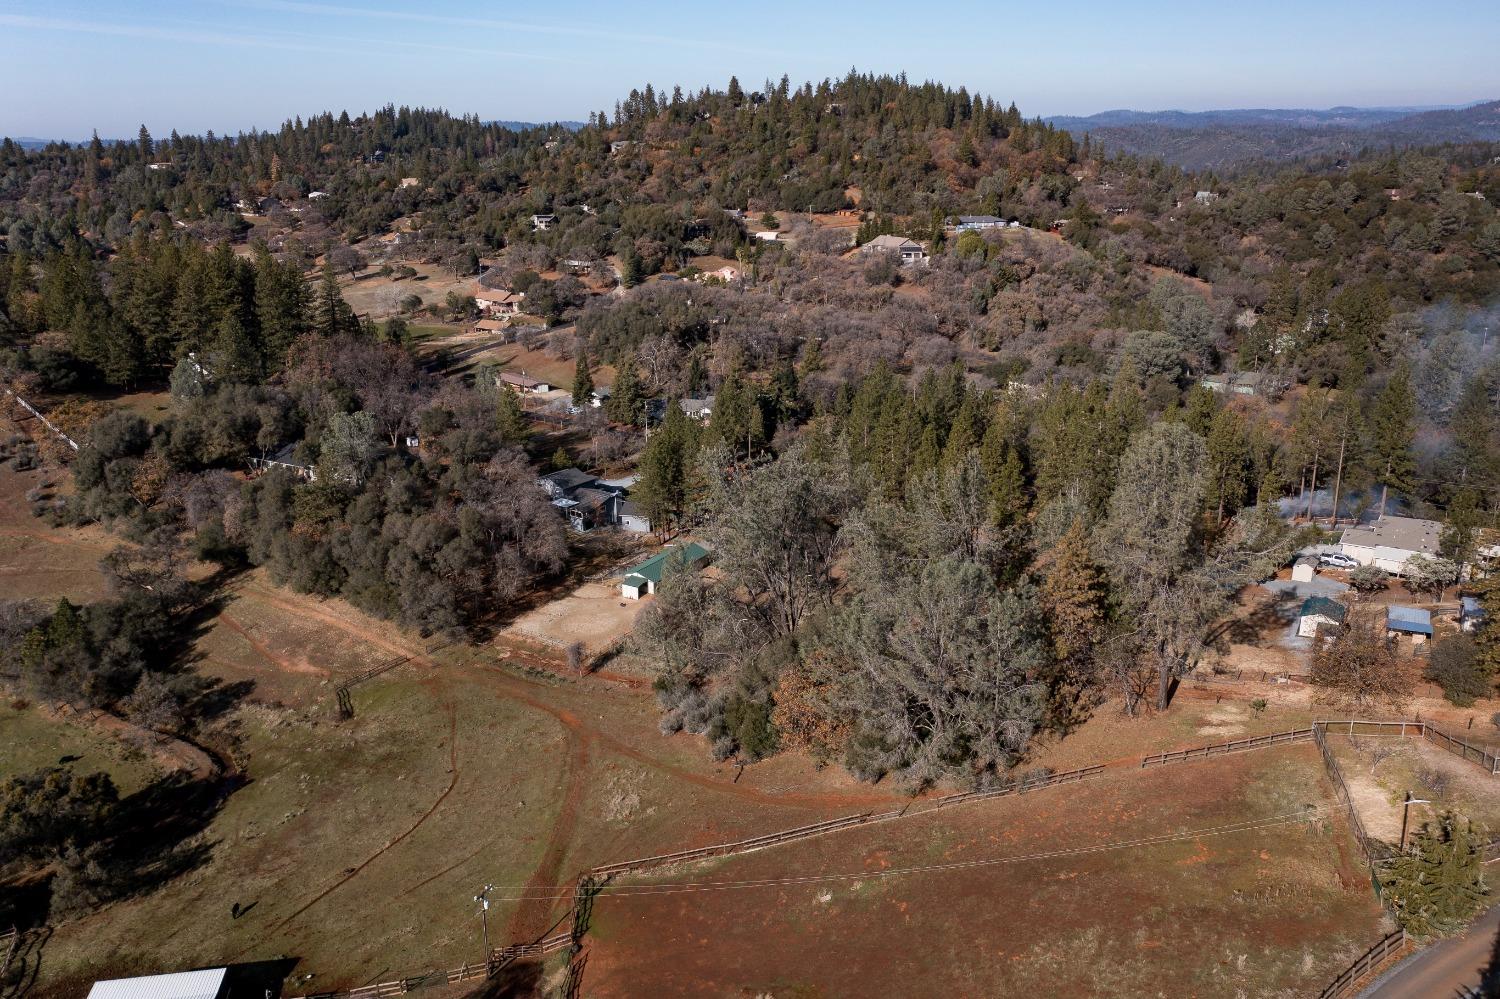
(1410, 620)
(205, 984)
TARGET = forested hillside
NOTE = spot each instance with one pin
(1011, 433)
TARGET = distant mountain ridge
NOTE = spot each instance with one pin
(1223, 139)
(34, 142)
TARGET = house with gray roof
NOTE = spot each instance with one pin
(1389, 542)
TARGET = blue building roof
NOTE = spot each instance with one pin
(1412, 620)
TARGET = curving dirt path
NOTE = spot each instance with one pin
(355, 871)
(530, 920)
(523, 691)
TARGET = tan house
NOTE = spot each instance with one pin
(523, 383)
(497, 301)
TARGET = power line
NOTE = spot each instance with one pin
(627, 891)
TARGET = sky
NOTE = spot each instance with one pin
(70, 67)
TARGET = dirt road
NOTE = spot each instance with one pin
(1450, 968)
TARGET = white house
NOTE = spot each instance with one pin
(523, 383)
(769, 236)
(1390, 541)
(542, 222)
(632, 518)
(698, 409)
(285, 461)
(909, 250)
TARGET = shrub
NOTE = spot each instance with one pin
(1367, 578)
(748, 723)
(1454, 666)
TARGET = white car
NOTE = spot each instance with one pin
(1337, 560)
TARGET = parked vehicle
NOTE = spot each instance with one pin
(1337, 560)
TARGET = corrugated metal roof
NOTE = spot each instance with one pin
(203, 984)
(1399, 618)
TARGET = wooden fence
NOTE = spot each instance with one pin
(342, 692)
(1341, 790)
(499, 958)
(1462, 749)
(57, 431)
(1221, 748)
(12, 939)
(514, 952)
(1371, 959)
(742, 846)
(1019, 787)
(1485, 759)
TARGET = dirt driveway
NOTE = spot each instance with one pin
(594, 614)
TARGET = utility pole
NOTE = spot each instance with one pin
(484, 917)
(1406, 811)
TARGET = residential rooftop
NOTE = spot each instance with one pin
(1402, 533)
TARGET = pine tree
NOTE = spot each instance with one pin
(1004, 475)
(1228, 465)
(583, 380)
(1074, 594)
(236, 354)
(332, 315)
(510, 419)
(1438, 886)
(624, 402)
(65, 629)
(1392, 431)
(662, 489)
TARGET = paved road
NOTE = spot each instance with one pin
(1446, 970)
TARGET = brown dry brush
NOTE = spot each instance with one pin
(1360, 666)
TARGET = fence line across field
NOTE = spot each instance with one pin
(499, 958)
(1222, 748)
(595, 877)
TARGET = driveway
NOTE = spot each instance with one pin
(1449, 969)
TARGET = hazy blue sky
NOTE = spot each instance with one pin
(70, 66)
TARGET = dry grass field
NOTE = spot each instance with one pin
(946, 903)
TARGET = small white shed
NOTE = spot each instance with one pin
(1304, 569)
